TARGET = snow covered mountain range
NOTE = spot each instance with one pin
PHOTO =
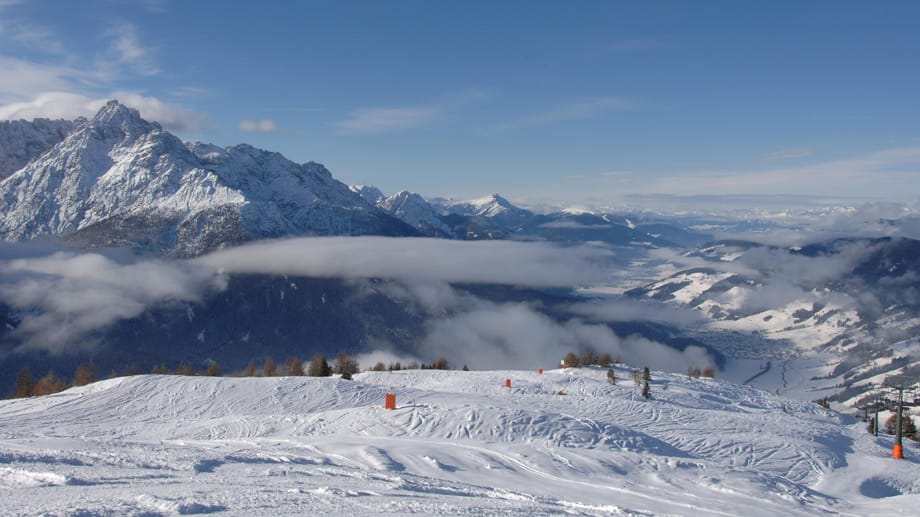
(119, 180)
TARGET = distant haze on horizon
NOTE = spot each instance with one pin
(667, 103)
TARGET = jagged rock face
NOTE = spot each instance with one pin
(370, 193)
(415, 211)
(22, 140)
(120, 180)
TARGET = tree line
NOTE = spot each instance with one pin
(345, 365)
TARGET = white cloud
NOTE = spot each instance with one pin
(258, 126)
(579, 110)
(52, 105)
(22, 79)
(416, 259)
(69, 87)
(169, 115)
(888, 172)
(129, 51)
(31, 36)
(66, 295)
(67, 105)
(517, 336)
(384, 120)
(789, 154)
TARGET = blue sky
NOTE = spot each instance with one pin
(541, 101)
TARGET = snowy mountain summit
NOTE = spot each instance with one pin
(120, 180)
(414, 210)
(493, 207)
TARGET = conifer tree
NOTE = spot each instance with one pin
(319, 367)
(185, 368)
(84, 374)
(49, 384)
(250, 370)
(379, 367)
(571, 360)
(25, 386)
(346, 365)
(294, 366)
(908, 429)
(646, 374)
(269, 369)
(213, 370)
(611, 377)
(159, 369)
(603, 360)
(645, 390)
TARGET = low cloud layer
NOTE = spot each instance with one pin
(517, 336)
(485, 334)
(491, 262)
(65, 296)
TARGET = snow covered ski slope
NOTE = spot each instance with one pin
(564, 442)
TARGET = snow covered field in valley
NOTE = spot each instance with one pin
(564, 442)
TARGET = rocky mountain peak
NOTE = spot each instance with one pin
(116, 119)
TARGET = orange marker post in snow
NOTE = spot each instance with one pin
(390, 401)
(541, 371)
(507, 383)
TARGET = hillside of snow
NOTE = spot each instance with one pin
(565, 441)
(830, 319)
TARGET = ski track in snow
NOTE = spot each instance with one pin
(458, 443)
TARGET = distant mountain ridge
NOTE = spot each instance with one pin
(119, 180)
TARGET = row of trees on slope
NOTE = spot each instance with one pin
(345, 365)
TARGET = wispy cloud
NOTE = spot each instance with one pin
(129, 51)
(67, 85)
(579, 110)
(66, 295)
(258, 126)
(635, 44)
(894, 169)
(384, 120)
(31, 36)
(788, 154)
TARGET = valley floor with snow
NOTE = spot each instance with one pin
(562, 442)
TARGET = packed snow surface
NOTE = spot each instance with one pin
(562, 442)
